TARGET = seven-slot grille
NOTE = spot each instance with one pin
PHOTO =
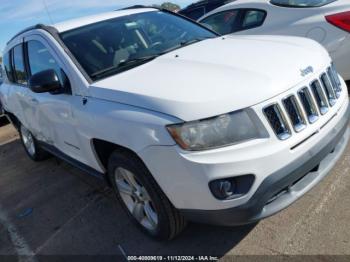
(306, 107)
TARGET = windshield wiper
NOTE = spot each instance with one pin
(123, 65)
(185, 43)
(137, 60)
(189, 42)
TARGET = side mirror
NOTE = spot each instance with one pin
(45, 81)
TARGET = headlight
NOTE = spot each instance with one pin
(218, 131)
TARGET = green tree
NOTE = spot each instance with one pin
(169, 6)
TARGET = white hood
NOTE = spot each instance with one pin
(215, 76)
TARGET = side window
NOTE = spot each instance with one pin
(18, 65)
(7, 66)
(223, 22)
(194, 14)
(40, 58)
(253, 18)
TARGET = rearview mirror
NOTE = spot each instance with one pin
(45, 81)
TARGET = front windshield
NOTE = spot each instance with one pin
(301, 3)
(103, 47)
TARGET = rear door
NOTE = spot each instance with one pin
(17, 83)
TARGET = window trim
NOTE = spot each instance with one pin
(24, 65)
(240, 17)
(272, 2)
(11, 78)
(26, 59)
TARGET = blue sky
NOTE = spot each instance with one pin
(16, 15)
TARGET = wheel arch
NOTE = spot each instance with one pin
(103, 150)
(13, 119)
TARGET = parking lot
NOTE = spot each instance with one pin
(51, 208)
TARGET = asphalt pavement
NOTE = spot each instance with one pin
(51, 209)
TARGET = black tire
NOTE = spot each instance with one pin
(39, 153)
(170, 221)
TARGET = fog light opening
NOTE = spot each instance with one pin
(226, 188)
(223, 189)
(230, 188)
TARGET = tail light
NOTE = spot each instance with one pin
(340, 20)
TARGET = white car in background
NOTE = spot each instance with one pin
(326, 21)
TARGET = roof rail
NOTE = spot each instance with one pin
(135, 7)
(38, 26)
(145, 6)
(205, 2)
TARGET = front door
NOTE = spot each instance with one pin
(52, 117)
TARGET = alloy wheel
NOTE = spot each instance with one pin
(28, 141)
(136, 198)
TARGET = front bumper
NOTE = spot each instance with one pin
(282, 188)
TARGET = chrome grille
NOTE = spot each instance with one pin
(305, 107)
(308, 105)
(294, 112)
(277, 121)
(319, 97)
(333, 76)
(330, 93)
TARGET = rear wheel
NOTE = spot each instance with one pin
(142, 198)
(31, 146)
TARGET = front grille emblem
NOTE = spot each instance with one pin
(306, 71)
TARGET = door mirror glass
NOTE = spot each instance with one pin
(45, 81)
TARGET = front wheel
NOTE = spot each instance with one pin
(31, 146)
(142, 198)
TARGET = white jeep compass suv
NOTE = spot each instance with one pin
(185, 125)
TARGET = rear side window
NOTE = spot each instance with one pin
(194, 14)
(18, 66)
(7, 66)
(223, 22)
(301, 3)
(253, 18)
(234, 20)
